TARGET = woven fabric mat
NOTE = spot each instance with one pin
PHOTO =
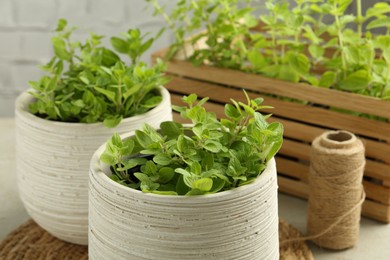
(294, 250)
(30, 241)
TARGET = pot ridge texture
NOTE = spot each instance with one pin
(53, 164)
(241, 223)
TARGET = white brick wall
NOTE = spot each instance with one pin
(26, 27)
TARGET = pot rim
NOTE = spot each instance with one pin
(101, 171)
(22, 101)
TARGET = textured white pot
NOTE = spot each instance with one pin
(53, 164)
(128, 224)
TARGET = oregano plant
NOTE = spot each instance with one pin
(87, 82)
(208, 156)
(320, 42)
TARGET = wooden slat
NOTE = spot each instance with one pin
(313, 115)
(299, 150)
(293, 169)
(377, 192)
(293, 187)
(370, 209)
(296, 149)
(299, 91)
(377, 170)
(376, 211)
(295, 130)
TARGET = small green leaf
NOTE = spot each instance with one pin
(150, 168)
(299, 63)
(260, 121)
(195, 192)
(166, 174)
(164, 192)
(108, 93)
(380, 22)
(355, 81)
(190, 99)
(196, 168)
(61, 24)
(256, 59)
(212, 146)
(143, 139)
(60, 50)
(171, 129)
(203, 184)
(232, 112)
(112, 121)
(316, 51)
(327, 79)
(109, 58)
(162, 159)
(131, 90)
(119, 45)
(152, 102)
(218, 184)
(181, 187)
(287, 73)
(108, 158)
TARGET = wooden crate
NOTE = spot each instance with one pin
(303, 121)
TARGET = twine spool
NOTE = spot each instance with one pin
(336, 192)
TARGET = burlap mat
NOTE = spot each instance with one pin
(294, 250)
(31, 242)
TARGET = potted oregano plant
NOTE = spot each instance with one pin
(87, 94)
(194, 191)
(324, 65)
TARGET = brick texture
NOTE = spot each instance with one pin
(27, 25)
(6, 13)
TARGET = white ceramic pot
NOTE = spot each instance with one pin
(128, 224)
(53, 161)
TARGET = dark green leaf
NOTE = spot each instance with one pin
(171, 129)
(119, 45)
(166, 174)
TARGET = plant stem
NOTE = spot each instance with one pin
(119, 106)
(341, 43)
(359, 18)
(171, 24)
(387, 80)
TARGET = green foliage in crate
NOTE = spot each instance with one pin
(312, 41)
(86, 82)
(209, 156)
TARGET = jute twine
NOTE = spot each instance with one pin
(336, 193)
(30, 241)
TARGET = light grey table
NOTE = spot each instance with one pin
(373, 244)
